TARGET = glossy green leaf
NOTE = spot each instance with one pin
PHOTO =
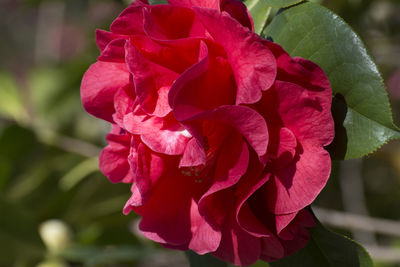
(361, 108)
(196, 260)
(281, 3)
(259, 11)
(327, 249)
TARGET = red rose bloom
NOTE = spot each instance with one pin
(220, 133)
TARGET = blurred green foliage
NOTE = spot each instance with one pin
(48, 144)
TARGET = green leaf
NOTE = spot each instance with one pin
(327, 249)
(281, 3)
(196, 260)
(259, 11)
(361, 107)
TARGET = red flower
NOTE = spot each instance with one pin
(220, 132)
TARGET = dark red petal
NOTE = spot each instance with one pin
(238, 11)
(169, 208)
(237, 246)
(231, 165)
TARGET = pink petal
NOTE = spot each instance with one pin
(193, 3)
(165, 22)
(123, 103)
(129, 22)
(152, 82)
(193, 155)
(283, 220)
(287, 148)
(134, 201)
(252, 62)
(306, 113)
(206, 85)
(139, 122)
(114, 51)
(149, 169)
(245, 120)
(205, 239)
(105, 37)
(297, 185)
(140, 3)
(170, 141)
(114, 158)
(176, 55)
(99, 85)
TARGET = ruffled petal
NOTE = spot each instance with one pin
(193, 3)
(253, 64)
(231, 165)
(114, 51)
(104, 37)
(170, 140)
(165, 211)
(99, 85)
(205, 86)
(152, 82)
(205, 239)
(306, 113)
(238, 11)
(113, 159)
(245, 120)
(165, 22)
(124, 101)
(297, 185)
(129, 22)
(237, 246)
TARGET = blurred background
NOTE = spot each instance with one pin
(57, 209)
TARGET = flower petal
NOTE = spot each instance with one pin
(113, 159)
(253, 64)
(99, 85)
(296, 186)
(114, 51)
(104, 37)
(193, 3)
(129, 22)
(152, 82)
